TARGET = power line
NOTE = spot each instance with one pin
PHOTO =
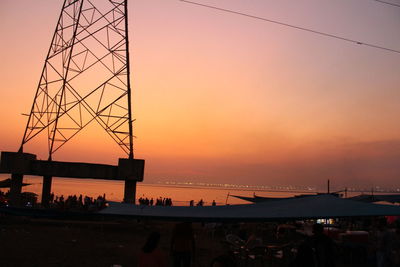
(294, 26)
(387, 3)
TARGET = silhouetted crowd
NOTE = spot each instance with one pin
(200, 203)
(158, 202)
(78, 203)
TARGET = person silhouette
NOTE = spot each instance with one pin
(323, 247)
(150, 255)
(183, 245)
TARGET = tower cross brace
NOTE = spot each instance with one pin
(85, 79)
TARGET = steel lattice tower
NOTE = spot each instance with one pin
(85, 77)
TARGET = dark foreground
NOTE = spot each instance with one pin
(42, 242)
(39, 242)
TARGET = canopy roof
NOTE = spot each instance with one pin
(258, 199)
(319, 206)
(377, 198)
(7, 183)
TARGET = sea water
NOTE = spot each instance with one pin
(114, 190)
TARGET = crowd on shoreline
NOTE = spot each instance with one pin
(88, 203)
(201, 203)
(71, 202)
(74, 202)
(145, 201)
(158, 202)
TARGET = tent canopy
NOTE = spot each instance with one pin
(7, 183)
(258, 199)
(319, 206)
(377, 198)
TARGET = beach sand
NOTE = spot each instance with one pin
(39, 242)
(43, 242)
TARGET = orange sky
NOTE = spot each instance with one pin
(224, 98)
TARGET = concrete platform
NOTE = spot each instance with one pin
(19, 164)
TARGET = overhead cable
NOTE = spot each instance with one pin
(293, 26)
(387, 3)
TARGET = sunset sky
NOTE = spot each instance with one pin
(224, 98)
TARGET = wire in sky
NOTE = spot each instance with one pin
(387, 3)
(294, 26)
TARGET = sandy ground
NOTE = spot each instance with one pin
(42, 242)
(34, 242)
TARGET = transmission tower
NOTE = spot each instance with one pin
(85, 79)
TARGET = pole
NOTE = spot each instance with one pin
(328, 187)
(130, 185)
(128, 83)
(226, 201)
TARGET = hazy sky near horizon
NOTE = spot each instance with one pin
(220, 97)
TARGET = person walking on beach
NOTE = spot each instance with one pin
(150, 255)
(200, 203)
(183, 245)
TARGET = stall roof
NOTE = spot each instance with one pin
(319, 206)
(258, 199)
(7, 183)
(377, 198)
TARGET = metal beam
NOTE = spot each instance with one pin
(26, 164)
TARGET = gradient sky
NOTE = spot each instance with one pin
(224, 98)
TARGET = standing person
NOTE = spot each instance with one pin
(150, 255)
(183, 245)
(200, 203)
(305, 256)
(384, 244)
(323, 247)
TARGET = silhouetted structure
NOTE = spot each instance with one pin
(85, 78)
